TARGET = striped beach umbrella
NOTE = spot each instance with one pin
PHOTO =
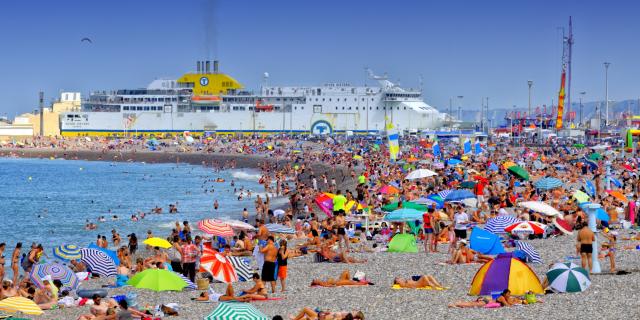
(548, 183)
(242, 266)
(526, 227)
(217, 265)
(20, 304)
(236, 311)
(190, 285)
(497, 224)
(532, 255)
(568, 277)
(55, 271)
(215, 227)
(67, 252)
(278, 228)
(98, 262)
(444, 193)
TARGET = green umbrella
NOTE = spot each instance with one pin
(157, 280)
(519, 172)
(595, 156)
(236, 310)
(578, 145)
(568, 277)
(409, 205)
(468, 184)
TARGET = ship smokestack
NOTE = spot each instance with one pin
(216, 64)
(208, 66)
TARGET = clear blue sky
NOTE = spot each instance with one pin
(470, 48)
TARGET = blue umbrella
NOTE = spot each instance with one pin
(112, 254)
(493, 167)
(278, 228)
(404, 214)
(457, 195)
(616, 182)
(548, 183)
(590, 188)
(437, 199)
(453, 161)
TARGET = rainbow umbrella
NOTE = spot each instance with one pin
(56, 271)
(20, 304)
(325, 203)
(505, 272)
(389, 189)
(347, 206)
(67, 252)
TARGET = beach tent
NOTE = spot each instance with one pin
(505, 272)
(157, 280)
(485, 242)
(236, 311)
(403, 242)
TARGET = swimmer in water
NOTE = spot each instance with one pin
(215, 205)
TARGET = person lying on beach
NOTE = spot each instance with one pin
(478, 303)
(345, 279)
(466, 255)
(77, 266)
(416, 282)
(258, 291)
(229, 295)
(506, 300)
(308, 314)
(8, 290)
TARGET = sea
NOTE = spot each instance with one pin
(50, 201)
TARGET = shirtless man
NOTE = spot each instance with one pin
(15, 262)
(585, 246)
(269, 267)
(345, 279)
(2, 246)
(422, 282)
(341, 224)
(8, 290)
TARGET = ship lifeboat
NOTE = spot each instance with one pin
(263, 107)
(208, 100)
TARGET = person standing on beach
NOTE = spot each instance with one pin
(341, 224)
(15, 261)
(585, 246)
(269, 266)
(175, 254)
(428, 230)
(262, 236)
(189, 256)
(338, 202)
(283, 257)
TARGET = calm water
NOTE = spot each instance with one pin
(67, 193)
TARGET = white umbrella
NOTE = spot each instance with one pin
(420, 173)
(541, 207)
(237, 224)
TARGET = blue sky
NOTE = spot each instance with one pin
(470, 48)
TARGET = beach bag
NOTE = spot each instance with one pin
(530, 298)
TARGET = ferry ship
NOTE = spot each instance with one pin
(209, 102)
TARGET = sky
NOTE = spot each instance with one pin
(471, 48)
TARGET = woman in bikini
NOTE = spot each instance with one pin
(345, 279)
(258, 291)
(419, 282)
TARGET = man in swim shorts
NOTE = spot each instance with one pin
(585, 246)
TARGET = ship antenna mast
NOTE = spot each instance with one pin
(567, 57)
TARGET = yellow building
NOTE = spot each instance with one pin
(68, 101)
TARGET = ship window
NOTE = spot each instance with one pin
(322, 99)
(349, 108)
(384, 108)
(345, 99)
(397, 108)
(355, 99)
(295, 108)
(125, 108)
(362, 99)
(139, 108)
(336, 108)
(146, 108)
(371, 99)
(301, 108)
(405, 108)
(329, 99)
(356, 108)
(342, 108)
(371, 108)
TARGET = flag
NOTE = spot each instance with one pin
(393, 136)
(436, 149)
(467, 146)
(477, 148)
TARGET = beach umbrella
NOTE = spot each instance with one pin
(404, 214)
(112, 254)
(531, 253)
(98, 262)
(20, 304)
(67, 252)
(562, 225)
(526, 227)
(215, 227)
(454, 161)
(595, 156)
(278, 228)
(540, 207)
(325, 203)
(590, 188)
(217, 265)
(56, 271)
(347, 206)
(190, 285)
(406, 205)
(508, 164)
(497, 224)
(493, 167)
(239, 225)
(593, 165)
(157, 280)
(580, 196)
(568, 277)
(519, 172)
(600, 213)
(157, 242)
(438, 165)
(242, 266)
(548, 183)
(357, 157)
(505, 272)
(388, 189)
(424, 201)
(443, 194)
(236, 311)
(578, 145)
(468, 184)
(420, 173)
(618, 195)
(459, 195)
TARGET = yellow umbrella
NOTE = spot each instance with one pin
(580, 196)
(508, 164)
(158, 242)
(20, 304)
(357, 157)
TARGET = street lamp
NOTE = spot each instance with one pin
(530, 83)
(606, 92)
(581, 96)
(513, 114)
(460, 107)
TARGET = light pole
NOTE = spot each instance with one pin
(513, 114)
(581, 96)
(606, 91)
(460, 107)
(530, 83)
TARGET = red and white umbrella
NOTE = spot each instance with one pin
(526, 227)
(562, 225)
(218, 265)
(215, 227)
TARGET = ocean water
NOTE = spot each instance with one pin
(49, 201)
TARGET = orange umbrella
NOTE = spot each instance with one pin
(618, 195)
(218, 265)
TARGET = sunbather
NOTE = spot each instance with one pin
(480, 302)
(418, 282)
(229, 295)
(308, 314)
(345, 279)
